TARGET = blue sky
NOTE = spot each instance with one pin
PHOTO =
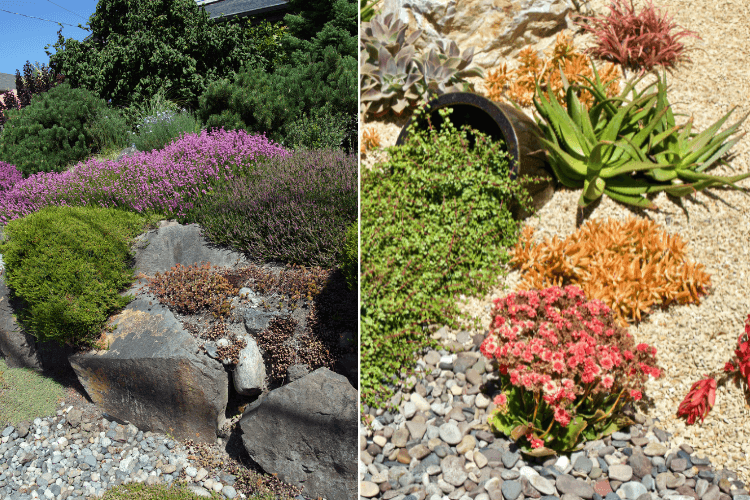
(24, 38)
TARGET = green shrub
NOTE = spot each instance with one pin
(318, 129)
(435, 223)
(258, 101)
(109, 130)
(350, 257)
(69, 265)
(53, 131)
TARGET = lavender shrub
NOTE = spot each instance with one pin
(294, 209)
(166, 181)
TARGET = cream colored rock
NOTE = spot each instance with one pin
(495, 28)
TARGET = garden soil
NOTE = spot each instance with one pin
(691, 340)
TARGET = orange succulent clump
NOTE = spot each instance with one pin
(519, 85)
(370, 140)
(631, 265)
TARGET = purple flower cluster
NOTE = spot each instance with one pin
(165, 181)
(9, 176)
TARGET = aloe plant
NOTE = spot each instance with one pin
(629, 147)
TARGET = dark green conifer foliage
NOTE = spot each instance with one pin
(51, 132)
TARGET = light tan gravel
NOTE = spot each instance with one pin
(696, 339)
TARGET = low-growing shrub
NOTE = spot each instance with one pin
(68, 265)
(161, 128)
(293, 208)
(51, 132)
(318, 129)
(632, 266)
(435, 223)
(109, 130)
(566, 369)
(168, 181)
(350, 257)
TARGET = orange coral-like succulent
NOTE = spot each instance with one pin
(519, 85)
(632, 266)
(370, 140)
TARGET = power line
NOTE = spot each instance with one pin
(53, 3)
(33, 17)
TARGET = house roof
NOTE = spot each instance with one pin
(242, 8)
(7, 82)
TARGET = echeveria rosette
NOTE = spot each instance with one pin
(626, 147)
(566, 369)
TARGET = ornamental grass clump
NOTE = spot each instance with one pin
(566, 369)
(636, 41)
(167, 181)
(632, 266)
(702, 395)
(294, 209)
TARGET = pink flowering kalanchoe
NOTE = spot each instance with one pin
(566, 368)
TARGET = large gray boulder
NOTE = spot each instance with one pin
(16, 346)
(172, 243)
(306, 433)
(154, 376)
(497, 29)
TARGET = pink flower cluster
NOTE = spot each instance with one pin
(560, 347)
(165, 181)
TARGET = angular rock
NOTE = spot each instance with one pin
(249, 375)
(295, 372)
(313, 422)
(172, 243)
(154, 376)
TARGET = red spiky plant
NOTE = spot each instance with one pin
(636, 42)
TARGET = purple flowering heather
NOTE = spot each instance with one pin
(165, 181)
(9, 176)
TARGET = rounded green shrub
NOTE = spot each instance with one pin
(53, 131)
(350, 257)
(68, 265)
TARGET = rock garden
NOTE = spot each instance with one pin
(594, 344)
(178, 287)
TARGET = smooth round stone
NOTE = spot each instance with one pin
(648, 482)
(621, 472)
(409, 410)
(563, 463)
(570, 485)
(468, 443)
(432, 358)
(527, 472)
(368, 489)
(583, 464)
(542, 485)
(621, 436)
(446, 363)
(480, 459)
(509, 474)
(511, 489)
(419, 402)
(481, 401)
(379, 440)
(450, 433)
(453, 471)
(509, 459)
(653, 449)
(631, 490)
(595, 473)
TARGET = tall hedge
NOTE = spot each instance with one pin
(140, 46)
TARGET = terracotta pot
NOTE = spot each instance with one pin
(501, 121)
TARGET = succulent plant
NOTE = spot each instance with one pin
(626, 148)
(388, 72)
(445, 69)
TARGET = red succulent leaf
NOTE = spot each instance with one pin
(699, 400)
